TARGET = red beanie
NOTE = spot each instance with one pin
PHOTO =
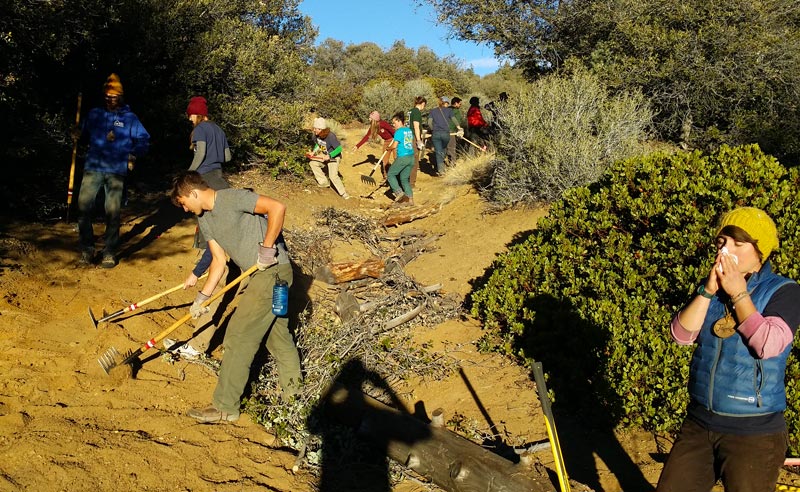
(197, 105)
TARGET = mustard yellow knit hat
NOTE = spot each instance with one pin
(755, 222)
(113, 86)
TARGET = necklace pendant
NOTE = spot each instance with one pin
(725, 327)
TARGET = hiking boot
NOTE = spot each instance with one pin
(108, 261)
(87, 257)
(210, 415)
(398, 196)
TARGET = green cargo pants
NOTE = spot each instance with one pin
(250, 324)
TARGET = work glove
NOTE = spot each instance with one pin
(197, 308)
(460, 133)
(420, 145)
(266, 257)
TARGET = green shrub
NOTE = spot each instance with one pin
(562, 132)
(590, 293)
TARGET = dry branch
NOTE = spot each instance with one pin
(345, 271)
(403, 216)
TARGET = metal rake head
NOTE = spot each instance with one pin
(368, 180)
(112, 358)
(94, 320)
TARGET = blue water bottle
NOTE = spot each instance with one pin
(280, 297)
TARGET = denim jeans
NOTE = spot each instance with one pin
(440, 141)
(112, 185)
(744, 463)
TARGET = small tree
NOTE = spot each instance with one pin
(561, 132)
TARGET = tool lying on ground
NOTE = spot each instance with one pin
(369, 179)
(110, 358)
(135, 305)
(462, 137)
(74, 155)
(555, 445)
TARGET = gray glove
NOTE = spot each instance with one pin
(420, 145)
(266, 257)
(197, 308)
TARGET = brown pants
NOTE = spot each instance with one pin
(744, 463)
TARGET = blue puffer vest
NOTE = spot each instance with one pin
(724, 377)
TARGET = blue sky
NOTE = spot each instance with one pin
(383, 23)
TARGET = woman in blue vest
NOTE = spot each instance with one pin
(742, 321)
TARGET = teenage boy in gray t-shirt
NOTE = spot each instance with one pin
(234, 223)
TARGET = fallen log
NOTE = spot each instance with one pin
(409, 214)
(345, 271)
(447, 459)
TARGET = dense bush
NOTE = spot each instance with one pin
(389, 98)
(562, 132)
(591, 291)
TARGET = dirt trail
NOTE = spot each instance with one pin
(66, 426)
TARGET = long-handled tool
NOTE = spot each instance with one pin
(369, 196)
(462, 137)
(110, 358)
(369, 179)
(135, 305)
(555, 445)
(74, 155)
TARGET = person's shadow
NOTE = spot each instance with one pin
(348, 462)
(585, 429)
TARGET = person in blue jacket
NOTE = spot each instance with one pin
(116, 138)
(742, 321)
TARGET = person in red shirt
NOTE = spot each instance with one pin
(382, 129)
(476, 125)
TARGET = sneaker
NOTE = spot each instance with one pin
(346, 196)
(398, 196)
(323, 186)
(108, 261)
(86, 258)
(168, 343)
(210, 415)
(188, 352)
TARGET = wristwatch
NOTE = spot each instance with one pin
(701, 290)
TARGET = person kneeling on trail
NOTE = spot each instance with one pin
(328, 151)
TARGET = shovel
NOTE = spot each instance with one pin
(135, 305)
(110, 358)
(369, 179)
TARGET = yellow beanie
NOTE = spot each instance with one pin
(113, 86)
(755, 222)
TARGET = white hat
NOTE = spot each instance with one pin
(320, 123)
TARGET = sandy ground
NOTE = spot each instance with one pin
(67, 426)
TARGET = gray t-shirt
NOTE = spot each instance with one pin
(236, 228)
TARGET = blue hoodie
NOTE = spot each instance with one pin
(111, 156)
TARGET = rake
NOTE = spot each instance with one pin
(111, 357)
(369, 196)
(369, 179)
(135, 305)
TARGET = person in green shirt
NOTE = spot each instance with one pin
(415, 121)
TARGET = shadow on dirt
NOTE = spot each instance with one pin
(586, 409)
(359, 465)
